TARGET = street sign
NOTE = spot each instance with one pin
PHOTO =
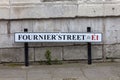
(58, 37)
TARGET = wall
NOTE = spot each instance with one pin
(59, 16)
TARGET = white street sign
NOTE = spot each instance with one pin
(58, 37)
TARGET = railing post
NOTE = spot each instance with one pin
(26, 51)
(89, 48)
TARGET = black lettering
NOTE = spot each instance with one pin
(19, 37)
(40, 37)
(35, 37)
(74, 37)
(29, 37)
(53, 37)
(63, 37)
(45, 37)
(59, 37)
(83, 37)
(78, 37)
(48, 37)
(25, 37)
(69, 37)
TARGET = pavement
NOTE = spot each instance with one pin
(69, 71)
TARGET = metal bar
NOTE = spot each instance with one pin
(26, 51)
(89, 48)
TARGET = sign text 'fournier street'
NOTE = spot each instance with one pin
(58, 37)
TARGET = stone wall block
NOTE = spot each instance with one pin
(15, 26)
(4, 12)
(24, 1)
(80, 52)
(57, 44)
(112, 29)
(4, 27)
(112, 23)
(18, 26)
(68, 25)
(97, 52)
(52, 25)
(4, 9)
(31, 54)
(80, 25)
(75, 52)
(4, 2)
(12, 55)
(112, 51)
(118, 36)
(43, 11)
(60, 25)
(5, 41)
(28, 25)
(35, 44)
(56, 53)
(111, 37)
(15, 55)
(40, 25)
(111, 9)
(29, 9)
(90, 10)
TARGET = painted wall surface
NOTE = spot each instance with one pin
(59, 16)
